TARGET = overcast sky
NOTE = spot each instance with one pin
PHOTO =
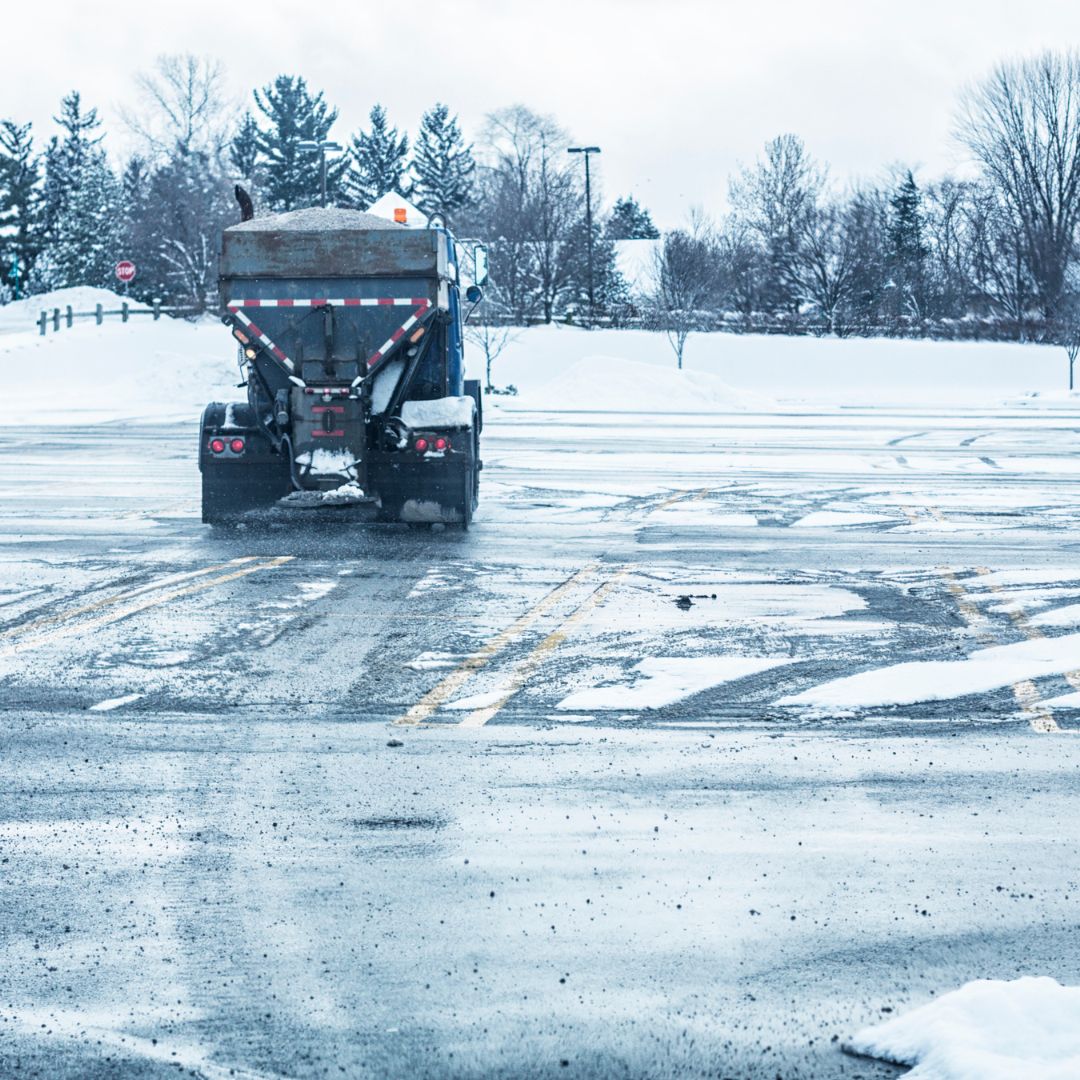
(676, 92)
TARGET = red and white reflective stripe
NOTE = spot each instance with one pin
(366, 301)
(420, 305)
(396, 336)
(263, 339)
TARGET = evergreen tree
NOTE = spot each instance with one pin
(631, 221)
(295, 115)
(378, 162)
(244, 148)
(443, 165)
(20, 206)
(907, 251)
(81, 229)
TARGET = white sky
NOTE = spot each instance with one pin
(676, 92)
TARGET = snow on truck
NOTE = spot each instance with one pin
(350, 334)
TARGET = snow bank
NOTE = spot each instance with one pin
(865, 371)
(1027, 1029)
(159, 370)
(23, 314)
(608, 383)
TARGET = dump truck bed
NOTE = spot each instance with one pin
(328, 243)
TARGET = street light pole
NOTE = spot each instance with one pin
(587, 150)
(321, 146)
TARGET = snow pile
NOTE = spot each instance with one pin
(608, 383)
(346, 495)
(23, 314)
(1028, 1029)
(167, 369)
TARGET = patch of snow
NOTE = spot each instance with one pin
(1066, 701)
(433, 661)
(448, 412)
(1062, 616)
(830, 519)
(664, 680)
(322, 462)
(942, 680)
(1025, 1029)
(344, 495)
(115, 703)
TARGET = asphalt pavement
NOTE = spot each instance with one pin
(316, 796)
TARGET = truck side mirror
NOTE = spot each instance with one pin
(474, 294)
(480, 264)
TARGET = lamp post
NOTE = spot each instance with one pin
(587, 150)
(321, 146)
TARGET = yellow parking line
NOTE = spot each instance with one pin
(520, 675)
(1025, 692)
(116, 598)
(679, 496)
(457, 678)
(70, 629)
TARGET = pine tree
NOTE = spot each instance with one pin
(630, 221)
(295, 115)
(443, 165)
(81, 229)
(244, 148)
(20, 206)
(907, 249)
(378, 162)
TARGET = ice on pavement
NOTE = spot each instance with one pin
(1024, 1029)
(939, 680)
(664, 680)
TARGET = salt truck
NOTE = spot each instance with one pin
(349, 328)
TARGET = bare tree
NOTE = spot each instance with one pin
(685, 275)
(490, 330)
(1023, 126)
(183, 107)
(774, 198)
(823, 268)
(531, 203)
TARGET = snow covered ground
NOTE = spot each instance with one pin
(171, 368)
(1025, 1029)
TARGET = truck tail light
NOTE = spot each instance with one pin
(237, 446)
(420, 445)
(217, 446)
(441, 443)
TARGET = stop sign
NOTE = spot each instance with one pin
(125, 270)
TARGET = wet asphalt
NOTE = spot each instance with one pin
(304, 798)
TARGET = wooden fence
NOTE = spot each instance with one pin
(66, 317)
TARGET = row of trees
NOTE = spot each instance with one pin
(993, 253)
(66, 215)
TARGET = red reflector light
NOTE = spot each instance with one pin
(441, 443)
(237, 446)
(218, 446)
(421, 445)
